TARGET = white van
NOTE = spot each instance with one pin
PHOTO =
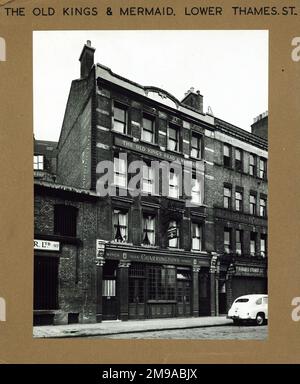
(249, 307)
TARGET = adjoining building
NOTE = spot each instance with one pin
(152, 254)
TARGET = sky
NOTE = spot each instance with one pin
(230, 68)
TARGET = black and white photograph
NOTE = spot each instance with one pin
(150, 184)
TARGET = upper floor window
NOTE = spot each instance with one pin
(262, 207)
(173, 234)
(252, 165)
(227, 155)
(238, 241)
(120, 172)
(262, 168)
(238, 160)
(196, 236)
(227, 197)
(173, 184)
(65, 220)
(120, 119)
(238, 201)
(148, 133)
(253, 240)
(196, 145)
(38, 162)
(173, 138)
(227, 240)
(263, 245)
(196, 190)
(120, 224)
(252, 204)
(148, 179)
(148, 230)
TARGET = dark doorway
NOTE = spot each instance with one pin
(204, 294)
(45, 282)
(109, 290)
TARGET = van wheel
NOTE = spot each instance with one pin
(260, 319)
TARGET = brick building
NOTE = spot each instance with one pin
(151, 254)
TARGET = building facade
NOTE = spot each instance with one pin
(165, 251)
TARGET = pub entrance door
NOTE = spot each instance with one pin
(183, 298)
(109, 290)
(137, 298)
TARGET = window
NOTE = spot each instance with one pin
(227, 197)
(262, 207)
(196, 236)
(262, 168)
(238, 201)
(148, 179)
(252, 165)
(161, 282)
(196, 146)
(65, 220)
(253, 239)
(173, 138)
(238, 160)
(252, 205)
(196, 190)
(120, 223)
(238, 241)
(148, 130)
(226, 156)
(227, 240)
(263, 245)
(109, 288)
(120, 119)
(173, 184)
(38, 162)
(120, 172)
(148, 230)
(173, 234)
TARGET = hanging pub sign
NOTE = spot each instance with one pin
(46, 245)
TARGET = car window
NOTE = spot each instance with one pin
(265, 300)
(259, 301)
(241, 301)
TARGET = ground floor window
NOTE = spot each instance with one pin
(162, 282)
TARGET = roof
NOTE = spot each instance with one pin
(64, 188)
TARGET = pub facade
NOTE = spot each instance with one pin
(164, 251)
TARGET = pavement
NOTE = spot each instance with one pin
(122, 327)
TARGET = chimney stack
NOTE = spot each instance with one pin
(193, 99)
(86, 59)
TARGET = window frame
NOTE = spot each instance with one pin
(176, 128)
(123, 108)
(198, 148)
(240, 251)
(125, 213)
(36, 166)
(263, 170)
(241, 200)
(198, 238)
(177, 234)
(227, 245)
(252, 166)
(152, 120)
(253, 211)
(118, 173)
(227, 158)
(227, 198)
(238, 164)
(153, 231)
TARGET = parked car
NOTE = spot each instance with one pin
(249, 308)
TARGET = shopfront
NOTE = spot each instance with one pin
(141, 285)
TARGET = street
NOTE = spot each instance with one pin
(226, 332)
